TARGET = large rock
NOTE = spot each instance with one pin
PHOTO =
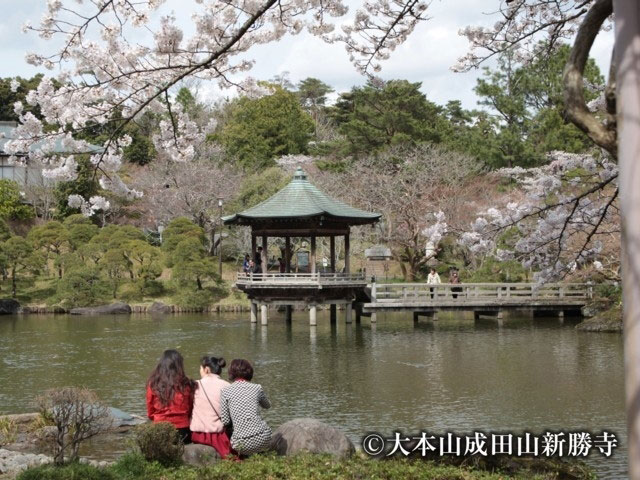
(602, 325)
(9, 306)
(158, 307)
(113, 309)
(13, 462)
(310, 435)
(198, 455)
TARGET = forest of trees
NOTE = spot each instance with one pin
(382, 146)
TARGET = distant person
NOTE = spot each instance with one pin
(258, 261)
(170, 394)
(282, 265)
(246, 264)
(207, 427)
(240, 407)
(454, 279)
(433, 279)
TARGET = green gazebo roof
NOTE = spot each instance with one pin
(300, 199)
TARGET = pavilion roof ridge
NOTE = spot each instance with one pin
(300, 199)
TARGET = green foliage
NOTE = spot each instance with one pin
(5, 231)
(313, 93)
(82, 287)
(259, 130)
(8, 431)
(73, 471)
(159, 442)
(527, 102)
(179, 229)
(20, 259)
(325, 467)
(380, 115)
(84, 185)
(258, 187)
(11, 204)
(492, 270)
(191, 264)
(141, 151)
(8, 98)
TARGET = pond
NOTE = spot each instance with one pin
(454, 374)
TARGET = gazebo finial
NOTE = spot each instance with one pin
(300, 174)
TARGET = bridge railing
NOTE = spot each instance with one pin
(318, 278)
(408, 292)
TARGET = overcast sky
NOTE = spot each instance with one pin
(426, 57)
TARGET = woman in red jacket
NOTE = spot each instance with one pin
(170, 394)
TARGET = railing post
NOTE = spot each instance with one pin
(561, 292)
(373, 292)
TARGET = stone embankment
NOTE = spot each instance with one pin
(12, 307)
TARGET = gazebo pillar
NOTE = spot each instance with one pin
(287, 254)
(253, 247)
(312, 260)
(265, 256)
(347, 267)
(333, 308)
(332, 253)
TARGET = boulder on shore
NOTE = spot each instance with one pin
(602, 325)
(310, 435)
(198, 455)
(113, 309)
(9, 306)
(159, 307)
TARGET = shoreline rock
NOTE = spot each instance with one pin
(117, 308)
(600, 325)
(310, 435)
(9, 306)
(15, 462)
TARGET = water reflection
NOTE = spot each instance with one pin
(453, 373)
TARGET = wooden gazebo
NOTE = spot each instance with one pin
(301, 210)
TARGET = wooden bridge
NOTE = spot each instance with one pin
(481, 298)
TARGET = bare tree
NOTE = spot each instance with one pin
(410, 186)
(189, 189)
(78, 415)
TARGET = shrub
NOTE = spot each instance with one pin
(44, 419)
(78, 415)
(194, 298)
(159, 442)
(8, 431)
(74, 471)
(82, 287)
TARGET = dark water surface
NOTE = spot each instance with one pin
(454, 374)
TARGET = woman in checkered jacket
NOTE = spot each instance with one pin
(240, 405)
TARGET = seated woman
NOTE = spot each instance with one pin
(239, 407)
(170, 394)
(206, 426)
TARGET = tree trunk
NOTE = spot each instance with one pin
(627, 49)
(13, 282)
(199, 283)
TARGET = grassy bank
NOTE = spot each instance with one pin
(299, 467)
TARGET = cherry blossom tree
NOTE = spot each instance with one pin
(108, 74)
(564, 218)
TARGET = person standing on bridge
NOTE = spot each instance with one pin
(455, 280)
(433, 279)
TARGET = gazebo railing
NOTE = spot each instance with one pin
(318, 278)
